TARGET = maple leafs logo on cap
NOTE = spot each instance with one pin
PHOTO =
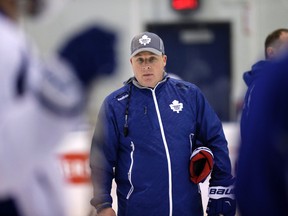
(144, 40)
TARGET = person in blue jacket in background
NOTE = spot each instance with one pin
(144, 138)
(261, 186)
(274, 46)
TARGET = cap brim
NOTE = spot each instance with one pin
(148, 49)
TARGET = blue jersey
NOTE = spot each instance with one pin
(148, 136)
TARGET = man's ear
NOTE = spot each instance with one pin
(270, 52)
(165, 60)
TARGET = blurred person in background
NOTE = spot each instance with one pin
(275, 44)
(263, 130)
(40, 103)
(147, 136)
(262, 167)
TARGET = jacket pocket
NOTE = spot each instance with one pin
(130, 171)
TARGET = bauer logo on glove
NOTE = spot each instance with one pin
(201, 164)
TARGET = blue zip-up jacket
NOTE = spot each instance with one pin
(152, 162)
(249, 78)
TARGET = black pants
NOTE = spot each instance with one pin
(8, 208)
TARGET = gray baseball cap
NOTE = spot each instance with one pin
(147, 41)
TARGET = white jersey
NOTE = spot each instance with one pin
(38, 106)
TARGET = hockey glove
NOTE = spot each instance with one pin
(201, 164)
(221, 201)
(90, 53)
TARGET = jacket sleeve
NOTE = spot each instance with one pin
(103, 155)
(210, 134)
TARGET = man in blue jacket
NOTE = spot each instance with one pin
(261, 187)
(262, 170)
(144, 138)
(275, 44)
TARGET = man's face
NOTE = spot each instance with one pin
(43, 10)
(35, 7)
(148, 68)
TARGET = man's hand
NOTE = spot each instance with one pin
(201, 164)
(106, 212)
(221, 201)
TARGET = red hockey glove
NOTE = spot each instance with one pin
(201, 164)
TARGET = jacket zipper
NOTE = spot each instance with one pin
(130, 171)
(191, 138)
(166, 150)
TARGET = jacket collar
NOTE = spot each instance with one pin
(133, 80)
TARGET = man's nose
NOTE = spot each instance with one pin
(146, 67)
